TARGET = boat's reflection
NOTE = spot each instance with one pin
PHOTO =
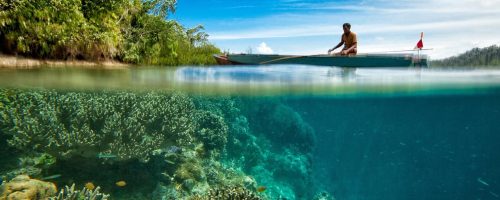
(343, 72)
(272, 74)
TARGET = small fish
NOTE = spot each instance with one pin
(103, 155)
(261, 188)
(51, 177)
(482, 182)
(89, 186)
(121, 183)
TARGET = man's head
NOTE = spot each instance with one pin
(346, 27)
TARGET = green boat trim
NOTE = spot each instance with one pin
(357, 61)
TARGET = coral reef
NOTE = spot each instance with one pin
(125, 125)
(234, 193)
(23, 187)
(267, 140)
(30, 164)
(187, 173)
(211, 130)
(244, 149)
(239, 137)
(164, 145)
(323, 195)
(291, 165)
(40, 160)
(3, 98)
(282, 147)
(281, 124)
(69, 193)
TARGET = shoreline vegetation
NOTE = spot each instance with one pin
(19, 62)
(98, 33)
(116, 34)
(476, 57)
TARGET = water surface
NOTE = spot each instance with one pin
(302, 132)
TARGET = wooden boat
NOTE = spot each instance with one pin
(358, 61)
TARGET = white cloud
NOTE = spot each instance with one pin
(325, 29)
(450, 26)
(264, 49)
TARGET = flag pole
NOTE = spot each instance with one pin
(420, 48)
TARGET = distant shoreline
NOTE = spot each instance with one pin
(19, 62)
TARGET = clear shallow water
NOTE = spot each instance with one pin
(262, 80)
(299, 131)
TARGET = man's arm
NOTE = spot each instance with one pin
(338, 45)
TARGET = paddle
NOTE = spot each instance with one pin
(288, 57)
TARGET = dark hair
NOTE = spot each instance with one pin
(347, 25)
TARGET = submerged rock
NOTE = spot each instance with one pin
(23, 187)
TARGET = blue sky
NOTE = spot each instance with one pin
(305, 27)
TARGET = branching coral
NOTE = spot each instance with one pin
(241, 148)
(237, 193)
(234, 193)
(190, 170)
(195, 144)
(125, 125)
(212, 130)
(69, 193)
(31, 165)
(3, 98)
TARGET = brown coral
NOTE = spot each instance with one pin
(24, 188)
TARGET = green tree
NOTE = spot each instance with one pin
(134, 31)
(477, 57)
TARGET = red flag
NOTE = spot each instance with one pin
(420, 43)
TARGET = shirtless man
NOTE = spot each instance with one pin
(349, 40)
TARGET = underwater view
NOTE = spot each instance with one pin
(250, 132)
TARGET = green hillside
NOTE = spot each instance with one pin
(477, 57)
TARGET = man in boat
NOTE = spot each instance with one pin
(349, 40)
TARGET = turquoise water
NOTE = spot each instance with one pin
(269, 132)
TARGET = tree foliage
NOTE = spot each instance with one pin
(135, 31)
(489, 56)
